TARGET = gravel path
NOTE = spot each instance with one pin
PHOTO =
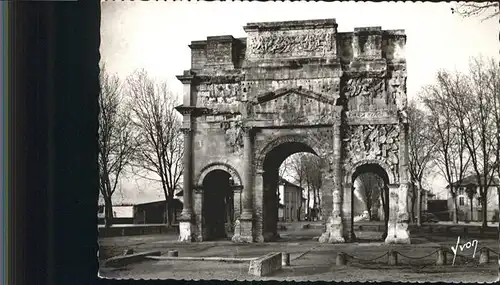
(310, 261)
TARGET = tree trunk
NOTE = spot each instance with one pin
(385, 205)
(319, 198)
(170, 210)
(471, 209)
(413, 218)
(108, 212)
(314, 198)
(308, 202)
(419, 204)
(455, 206)
(484, 199)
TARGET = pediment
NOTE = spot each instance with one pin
(293, 92)
(294, 106)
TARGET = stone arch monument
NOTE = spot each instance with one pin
(290, 87)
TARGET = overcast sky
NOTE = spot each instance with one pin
(155, 35)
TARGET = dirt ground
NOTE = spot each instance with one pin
(310, 260)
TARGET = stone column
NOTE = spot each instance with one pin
(334, 228)
(348, 213)
(398, 197)
(268, 203)
(237, 201)
(186, 221)
(258, 206)
(198, 234)
(244, 228)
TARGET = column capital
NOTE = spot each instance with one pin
(197, 189)
(187, 77)
(192, 110)
(394, 185)
(187, 131)
(237, 188)
(247, 130)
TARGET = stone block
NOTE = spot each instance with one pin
(266, 265)
(441, 257)
(392, 258)
(484, 256)
(123, 260)
(186, 231)
(128, 251)
(173, 253)
(242, 231)
(285, 259)
(341, 259)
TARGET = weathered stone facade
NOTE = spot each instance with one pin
(290, 87)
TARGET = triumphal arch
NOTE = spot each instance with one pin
(297, 86)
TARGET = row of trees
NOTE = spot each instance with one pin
(139, 132)
(455, 128)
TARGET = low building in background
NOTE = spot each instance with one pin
(155, 212)
(290, 196)
(466, 212)
(122, 214)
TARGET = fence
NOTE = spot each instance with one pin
(441, 257)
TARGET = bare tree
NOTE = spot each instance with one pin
(160, 149)
(371, 184)
(492, 82)
(285, 168)
(492, 9)
(116, 143)
(451, 156)
(478, 126)
(311, 171)
(485, 10)
(296, 171)
(421, 150)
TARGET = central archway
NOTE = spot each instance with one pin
(273, 158)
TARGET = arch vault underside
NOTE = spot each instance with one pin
(290, 87)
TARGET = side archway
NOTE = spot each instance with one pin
(217, 200)
(360, 205)
(387, 172)
(219, 166)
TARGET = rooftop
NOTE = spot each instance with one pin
(472, 180)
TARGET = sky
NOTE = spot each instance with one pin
(155, 36)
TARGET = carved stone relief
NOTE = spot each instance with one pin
(285, 44)
(233, 135)
(397, 89)
(369, 46)
(374, 142)
(363, 92)
(322, 140)
(369, 117)
(213, 94)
